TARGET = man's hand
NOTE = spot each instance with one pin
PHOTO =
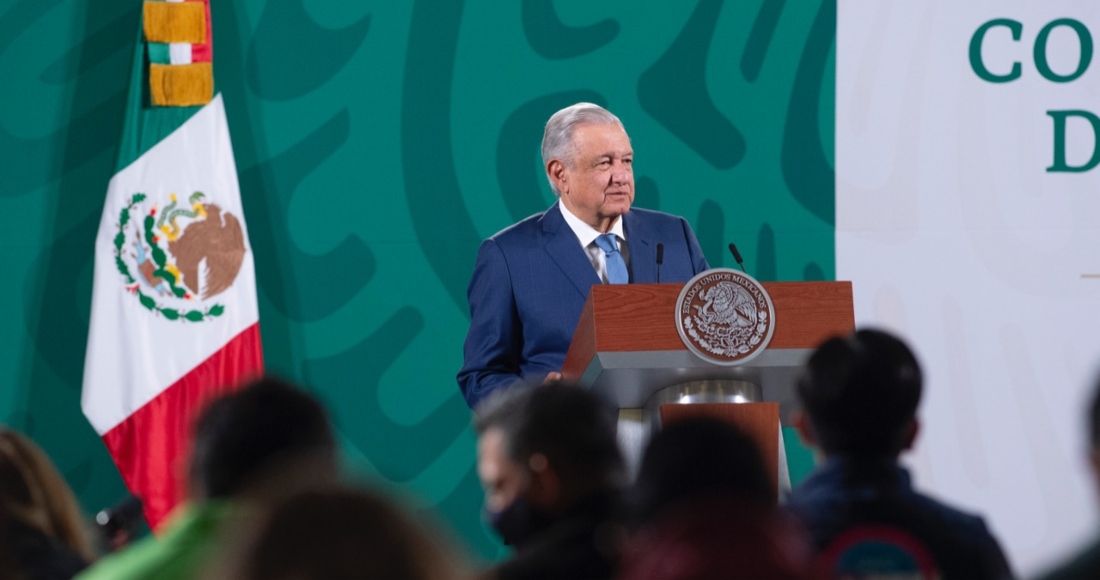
(551, 377)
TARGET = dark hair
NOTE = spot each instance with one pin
(246, 434)
(340, 533)
(860, 392)
(695, 457)
(1094, 417)
(572, 427)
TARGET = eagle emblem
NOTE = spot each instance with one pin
(725, 316)
(175, 259)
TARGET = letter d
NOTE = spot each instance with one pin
(1060, 165)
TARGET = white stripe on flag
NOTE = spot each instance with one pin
(135, 353)
(179, 52)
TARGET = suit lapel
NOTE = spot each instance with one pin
(565, 250)
(643, 252)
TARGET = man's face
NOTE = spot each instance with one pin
(599, 186)
(501, 478)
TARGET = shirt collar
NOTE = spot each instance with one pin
(586, 233)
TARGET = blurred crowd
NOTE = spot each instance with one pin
(267, 501)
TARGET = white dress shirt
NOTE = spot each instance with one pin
(587, 235)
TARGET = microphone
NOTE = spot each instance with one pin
(737, 256)
(660, 260)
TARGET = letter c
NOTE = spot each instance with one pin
(976, 51)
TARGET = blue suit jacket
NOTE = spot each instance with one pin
(529, 286)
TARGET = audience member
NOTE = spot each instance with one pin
(1086, 564)
(859, 396)
(338, 533)
(551, 468)
(239, 441)
(704, 504)
(43, 533)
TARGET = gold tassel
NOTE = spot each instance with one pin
(181, 85)
(175, 22)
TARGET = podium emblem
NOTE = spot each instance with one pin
(725, 316)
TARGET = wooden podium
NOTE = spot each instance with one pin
(626, 347)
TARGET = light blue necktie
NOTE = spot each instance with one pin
(616, 266)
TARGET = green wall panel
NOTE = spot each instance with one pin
(377, 144)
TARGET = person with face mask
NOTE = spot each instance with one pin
(552, 473)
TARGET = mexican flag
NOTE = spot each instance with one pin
(174, 318)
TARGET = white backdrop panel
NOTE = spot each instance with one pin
(955, 235)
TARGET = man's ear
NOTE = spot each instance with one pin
(555, 169)
(801, 424)
(545, 487)
(912, 430)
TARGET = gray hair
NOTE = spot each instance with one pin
(557, 138)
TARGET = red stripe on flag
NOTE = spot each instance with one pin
(204, 52)
(151, 445)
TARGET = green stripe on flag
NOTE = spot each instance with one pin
(159, 53)
(145, 125)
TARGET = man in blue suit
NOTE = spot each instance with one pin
(531, 279)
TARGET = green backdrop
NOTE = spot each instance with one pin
(377, 144)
